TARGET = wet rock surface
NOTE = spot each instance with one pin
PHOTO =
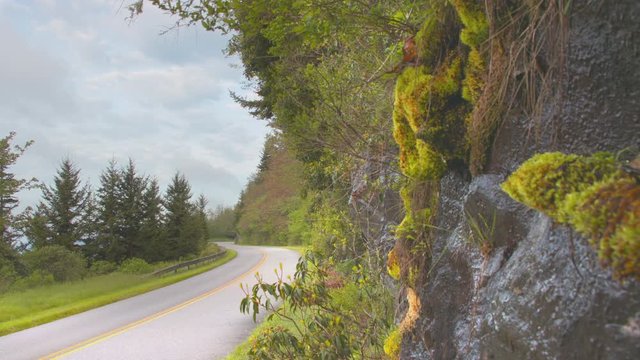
(540, 292)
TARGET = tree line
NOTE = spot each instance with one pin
(126, 217)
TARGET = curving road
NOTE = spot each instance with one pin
(197, 318)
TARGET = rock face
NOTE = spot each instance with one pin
(539, 293)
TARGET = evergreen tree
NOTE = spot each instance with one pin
(64, 215)
(108, 245)
(131, 190)
(181, 233)
(152, 232)
(201, 218)
(9, 187)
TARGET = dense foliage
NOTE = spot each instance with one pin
(324, 74)
(271, 198)
(221, 223)
(328, 314)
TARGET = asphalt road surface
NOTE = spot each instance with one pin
(198, 318)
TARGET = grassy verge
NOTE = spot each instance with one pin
(25, 309)
(300, 249)
(241, 351)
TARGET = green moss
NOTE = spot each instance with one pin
(608, 212)
(407, 227)
(393, 267)
(437, 36)
(429, 119)
(417, 204)
(474, 34)
(392, 344)
(591, 194)
(476, 26)
(473, 82)
(418, 159)
(544, 181)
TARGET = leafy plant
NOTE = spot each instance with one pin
(325, 323)
(101, 267)
(62, 264)
(135, 266)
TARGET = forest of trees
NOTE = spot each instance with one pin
(126, 217)
(269, 204)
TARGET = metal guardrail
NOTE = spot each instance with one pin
(189, 263)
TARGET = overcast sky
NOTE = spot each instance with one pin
(82, 83)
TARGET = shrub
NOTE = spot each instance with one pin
(101, 267)
(36, 278)
(135, 266)
(324, 323)
(8, 274)
(61, 263)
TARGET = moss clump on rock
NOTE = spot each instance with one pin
(418, 199)
(418, 159)
(392, 344)
(438, 34)
(393, 267)
(590, 193)
(608, 212)
(429, 119)
(474, 34)
(473, 17)
(544, 181)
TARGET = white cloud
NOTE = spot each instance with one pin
(171, 85)
(82, 83)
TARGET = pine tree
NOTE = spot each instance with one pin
(9, 187)
(131, 189)
(201, 218)
(179, 225)
(65, 212)
(109, 244)
(152, 232)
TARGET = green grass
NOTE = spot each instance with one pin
(25, 309)
(300, 249)
(221, 239)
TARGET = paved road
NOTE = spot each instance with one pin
(197, 318)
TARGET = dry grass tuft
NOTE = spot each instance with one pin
(526, 59)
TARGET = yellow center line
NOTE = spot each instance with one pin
(115, 332)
